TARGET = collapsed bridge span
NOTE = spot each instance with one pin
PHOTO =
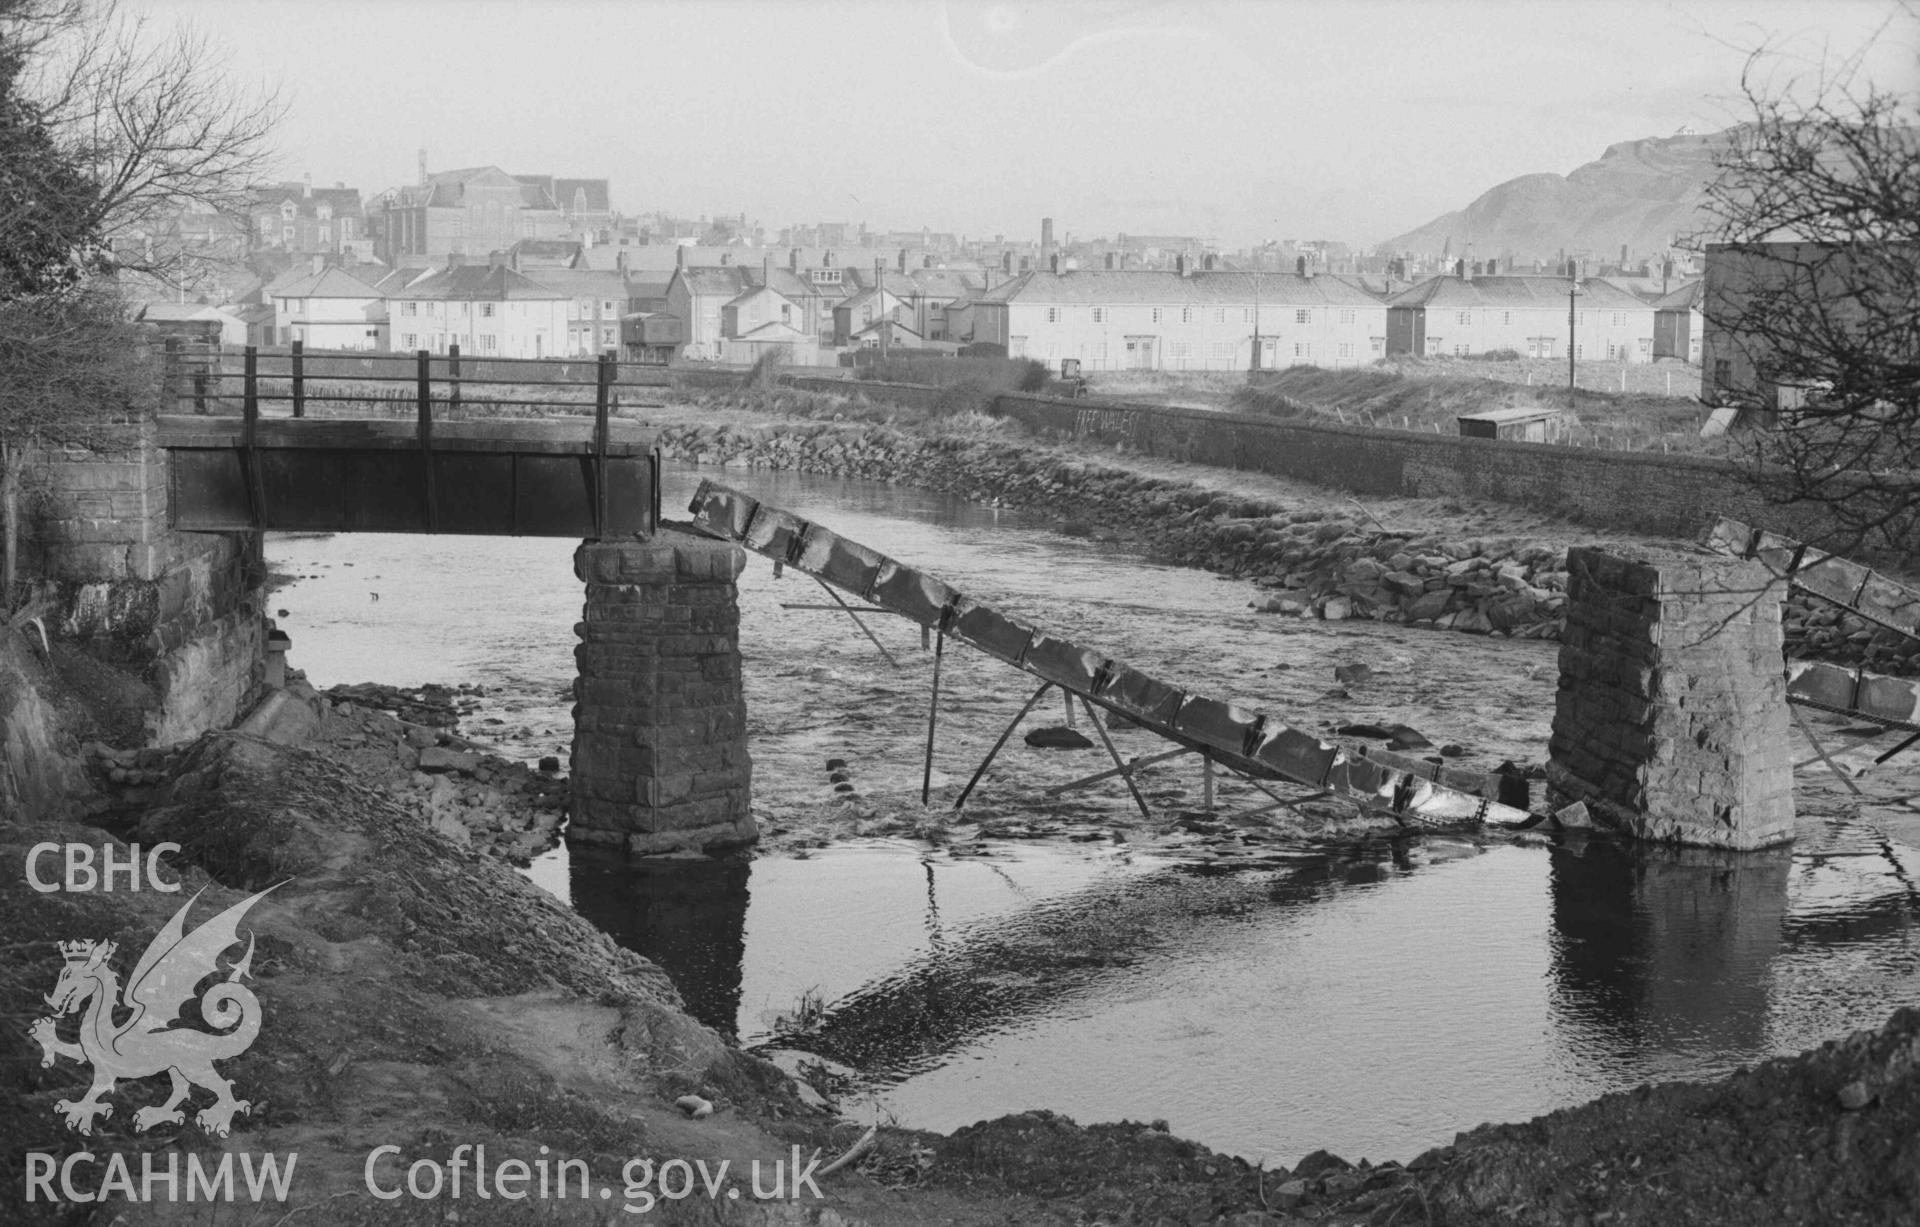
(1256, 746)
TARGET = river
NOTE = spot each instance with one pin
(1264, 998)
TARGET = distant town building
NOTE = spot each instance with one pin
(327, 308)
(480, 210)
(1181, 320)
(302, 220)
(1678, 324)
(1459, 315)
(488, 310)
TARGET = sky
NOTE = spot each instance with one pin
(1238, 122)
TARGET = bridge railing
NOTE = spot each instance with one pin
(292, 381)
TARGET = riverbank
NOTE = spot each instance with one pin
(419, 994)
(1442, 564)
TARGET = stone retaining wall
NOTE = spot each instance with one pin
(183, 607)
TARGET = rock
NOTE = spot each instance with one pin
(694, 1106)
(1288, 1195)
(1320, 1163)
(1405, 737)
(440, 758)
(550, 763)
(1429, 606)
(1058, 737)
(453, 829)
(1352, 673)
(1337, 609)
(1453, 751)
(1341, 1183)
(1855, 1096)
(1283, 605)
(1362, 730)
(419, 736)
(1574, 817)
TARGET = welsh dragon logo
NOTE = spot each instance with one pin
(146, 1042)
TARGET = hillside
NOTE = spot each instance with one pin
(1641, 193)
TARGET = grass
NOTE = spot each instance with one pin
(1405, 397)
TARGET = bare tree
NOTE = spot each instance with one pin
(156, 124)
(109, 130)
(1813, 303)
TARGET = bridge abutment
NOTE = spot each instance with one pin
(1671, 718)
(660, 759)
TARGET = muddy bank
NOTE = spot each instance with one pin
(1425, 563)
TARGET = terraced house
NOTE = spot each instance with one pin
(1454, 315)
(1212, 320)
(486, 309)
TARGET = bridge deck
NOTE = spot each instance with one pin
(568, 477)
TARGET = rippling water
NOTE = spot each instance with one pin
(1374, 1003)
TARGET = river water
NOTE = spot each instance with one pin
(1264, 998)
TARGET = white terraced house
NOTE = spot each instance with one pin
(1174, 320)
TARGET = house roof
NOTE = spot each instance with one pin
(714, 281)
(160, 312)
(1100, 287)
(774, 330)
(1448, 293)
(327, 283)
(559, 248)
(492, 282)
(887, 322)
(1687, 297)
(579, 282)
(754, 291)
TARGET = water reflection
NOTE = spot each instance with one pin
(1663, 956)
(688, 914)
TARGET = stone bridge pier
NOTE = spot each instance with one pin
(660, 719)
(1671, 719)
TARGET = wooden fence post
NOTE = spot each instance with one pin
(453, 378)
(602, 407)
(424, 384)
(299, 379)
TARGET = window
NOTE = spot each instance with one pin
(583, 309)
(606, 308)
(1646, 347)
(489, 343)
(1506, 317)
(1246, 315)
(486, 309)
(1156, 315)
(1053, 315)
(1379, 344)
(409, 341)
(609, 336)
(1099, 315)
(1186, 315)
(1096, 352)
(1459, 351)
(1180, 349)
(1580, 351)
(1610, 350)
(1303, 316)
(786, 312)
(1303, 349)
(1346, 315)
(1219, 315)
(324, 234)
(1619, 318)
(1583, 319)
(1346, 349)
(1016, 347)
(1722, 372)
(1464, 317)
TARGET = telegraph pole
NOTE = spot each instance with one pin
(1573, 289)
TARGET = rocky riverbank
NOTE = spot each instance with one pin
(1325, 557)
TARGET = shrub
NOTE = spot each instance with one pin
(1032, 376)
(983, 349)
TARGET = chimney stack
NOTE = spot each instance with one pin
(1207, 261)
(1046, 241)
(793, 259)
(1110, 264)
(1299, 266)
(903, 259)
(926, 261)
(423, 166)
(680, 255)
(1180, 264)
(1006, 262)
(1053, 264)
